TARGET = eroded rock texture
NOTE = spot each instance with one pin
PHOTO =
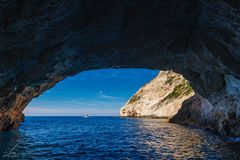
(160, 98)
(170, 96)
(43, 42)
(222, 117)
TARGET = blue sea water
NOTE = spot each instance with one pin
(111, 138)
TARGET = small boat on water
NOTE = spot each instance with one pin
(86, 116)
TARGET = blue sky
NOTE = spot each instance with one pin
(97, 92)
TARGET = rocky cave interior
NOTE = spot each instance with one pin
(44, 42)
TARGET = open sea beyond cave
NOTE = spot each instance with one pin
(111, 138)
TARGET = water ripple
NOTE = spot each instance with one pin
(112, 138)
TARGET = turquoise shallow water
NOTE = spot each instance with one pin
(111, 138)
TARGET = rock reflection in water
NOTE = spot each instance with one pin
(180, 142)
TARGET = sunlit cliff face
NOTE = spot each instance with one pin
(169, 96)
(46, 41)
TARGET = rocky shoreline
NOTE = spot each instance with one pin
(160, 99)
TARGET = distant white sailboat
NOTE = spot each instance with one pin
(86, 116)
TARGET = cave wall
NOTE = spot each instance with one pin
(43, 42)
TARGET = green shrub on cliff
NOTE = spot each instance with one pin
(134, 99)
(179, 91)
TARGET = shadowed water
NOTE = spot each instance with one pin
(111, 138)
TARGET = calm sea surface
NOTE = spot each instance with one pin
(111, 138)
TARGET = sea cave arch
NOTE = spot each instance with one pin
(44, 42)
